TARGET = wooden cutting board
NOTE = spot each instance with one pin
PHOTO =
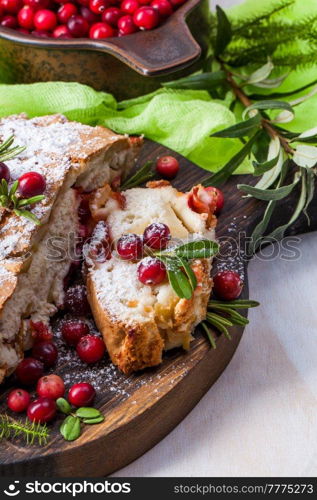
(141, 409)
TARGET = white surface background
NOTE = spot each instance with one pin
(260, 418)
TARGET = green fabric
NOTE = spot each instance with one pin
(181, 120)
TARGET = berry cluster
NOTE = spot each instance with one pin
(84, 18)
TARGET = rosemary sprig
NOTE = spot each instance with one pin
(144, 174)
(32, 432)
(6, 152)
(223, 315)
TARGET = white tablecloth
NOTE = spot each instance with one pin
(260, 418)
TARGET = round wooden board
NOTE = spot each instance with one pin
(143, 408)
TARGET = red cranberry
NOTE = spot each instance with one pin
(40, 331)
(40, 34)
(99, 248)
(98, 6)
(151, 271)
(167, 166)
(144, 2)
(45, 20)
(29, 370)
(227, 285)
(66, 11)
(23, 30)
(50, 386)
(101, 30)
(89, 16)
(157, 236)
(9, 22)
(130, 246)
(76, 300)
(37, 4)
(4, 172)
(18, 400)
(25, 17)
(90, 349)
(73, 331)
(85, 3)
(219, 198)
(146, 18)
(61, 32)
(11, 6)
(46, 352)
(163, 6)
(126, 25)
(81, 394)
(78, 26)
(129, 6)
(84, 213)
(112, 16)
(31, 184)
(42, 410)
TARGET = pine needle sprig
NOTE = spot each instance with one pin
(6, 152)
(31, 432)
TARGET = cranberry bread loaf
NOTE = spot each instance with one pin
(138, 322)
(72, 158)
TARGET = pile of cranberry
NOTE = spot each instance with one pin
(84, 18)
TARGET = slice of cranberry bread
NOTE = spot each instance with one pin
(138, 322)
(72, 158)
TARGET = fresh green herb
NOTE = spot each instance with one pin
(71, 427)
(32, 432)
(223, 315)
(6, 152)
(63, 406)
(144, 174)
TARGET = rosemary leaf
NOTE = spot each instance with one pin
(30, 201)
(240, 129)
(144, 174)
(268, 104)
(209, 335)
(198, 249)
(13, 188)
(268, 194)
(261, 168)
(27, 215)
(237, 304)
(189, 272)
(224, 31)
(213, 320)
(180, 283)
(223, 175)
(202, 81)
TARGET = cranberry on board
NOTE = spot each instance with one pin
(220, 200)
(129, 6)
(91, 18)
(18, 400)
(157, 235)
(167, 166)
(90, 349)
(78, 26)
(146, 18)
(81, 394)
(151, 271)
(26, 17)
(73, 331)
(126, 25)
(9, 22)
(46, 352)
(42, 410)
(112, 16)
(32, 183)
(101, 30)
(130, 246)
(164, 7)
(45, 20)
(76, 300)
(66, 11)
(4, 172)
(61, 32)
(11, 6)
(50, 386)
(227, 285)
(29, 370)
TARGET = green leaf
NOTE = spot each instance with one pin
(305, 156)
(270, 176)
(261, 168)
(11, 153)
(142, 175)
(261, 105)
(240, 129)
(6, 144)
(198, 249)
(189, 272)
(96, 420)
(202, 81)
(260, 74)
(223, 175)
(30, 201)
(310, 188)
(63, 406)
(4, 186)
(87, 413)
(209, 335)
(237, 304)
(27, 215)
(180, 284)
(216, 320)
(3, 200)
(280, 95)
(268, 194)
(271, 83)
(70, 428)
(13, 188)
(234, 316)
(224, 31)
